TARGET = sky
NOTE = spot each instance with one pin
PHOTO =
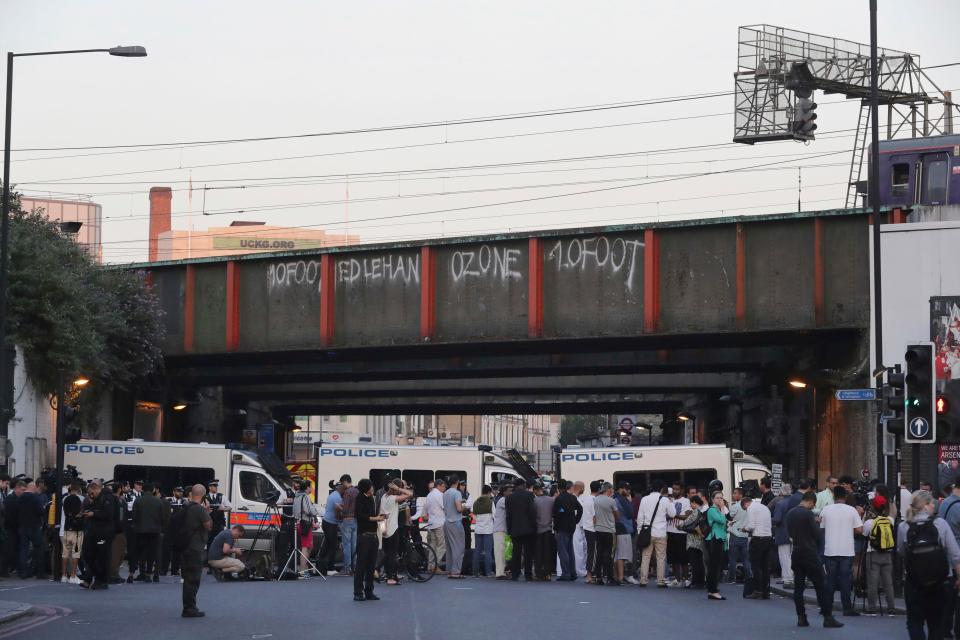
(240, 69)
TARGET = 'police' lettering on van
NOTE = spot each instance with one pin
(601, 457)
(117, 450)
(338, 452)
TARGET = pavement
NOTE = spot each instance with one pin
(10, 611)
(441, 609)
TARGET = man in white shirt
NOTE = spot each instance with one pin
(436, 519)
(677, 539)
(760, 528)
(579, 537)
(654, 511)
(840, 523)
(738, 541)
(589, 528)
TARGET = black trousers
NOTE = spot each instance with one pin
(169, 561)
(149, 544)
(715, 562)
(391, 547)
(95, 553)
(133, 550)
(10, 551)
(604, 559)
(927, 608)
(591, 537)
(366, 561)
(761, 552)
(546, 557)
(191, 570)
(328, 551)
(697, 568)
(810, 568)
(524, 549)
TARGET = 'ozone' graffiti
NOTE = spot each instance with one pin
(287, 274)
(617, 256)
(494, 262)
(385, 268)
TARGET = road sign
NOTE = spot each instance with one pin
(856, 394)
(919, 428)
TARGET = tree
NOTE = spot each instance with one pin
(71, 315)
(577, 425)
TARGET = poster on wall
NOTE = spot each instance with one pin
(945, 335)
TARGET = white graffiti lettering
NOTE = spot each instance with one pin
(287, 274)
(383, 268)
(487, 261)
(616, 257)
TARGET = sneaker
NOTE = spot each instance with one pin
(64, 580)
(632, 580)
(850, 613)
(675, 583)
(871, 612)
(687, 583)
(787, 584)
(74, 580)
(192, 613)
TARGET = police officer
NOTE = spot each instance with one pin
(133, 556)
(219, 507)
(170, 561)
(101, 515)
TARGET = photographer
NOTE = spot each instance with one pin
(390, 508)
(223, 554)
(304, 512)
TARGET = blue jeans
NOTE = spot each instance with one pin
(348, 534)
(840, 576)
(31, 552)
(738, 553)
(483, 546)
(568, 569)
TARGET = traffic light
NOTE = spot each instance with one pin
(71, 430)
(920, 413)
(805, 116)
(948, 411)
(893, 401)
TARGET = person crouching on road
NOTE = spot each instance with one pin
(367, 541)
(223, 554)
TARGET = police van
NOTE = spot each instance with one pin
(251, 480)
(419, 465)
(696, 464)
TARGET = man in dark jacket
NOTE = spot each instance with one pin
(149, 514)
(11, 524)
(102, 514)
(522, 527)
(30, 515)
(566, 514)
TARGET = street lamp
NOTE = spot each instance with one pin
(800, 385)
(5, 379)
(79, 383)
(796, 383)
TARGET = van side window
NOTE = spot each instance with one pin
(752, 474)
(462, 475)
(899, 179)
(501, 478)
(380, 477)
(256, 487)
(166, 477)
(642, 481)
(419, 479)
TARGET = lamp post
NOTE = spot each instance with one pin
(60, 437)
(801, 385)
(5, 360)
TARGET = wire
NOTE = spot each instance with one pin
(508, 202)
(403, 127)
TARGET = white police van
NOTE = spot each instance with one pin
(696, 464)
(251, 480)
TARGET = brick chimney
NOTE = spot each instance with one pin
(160, 199)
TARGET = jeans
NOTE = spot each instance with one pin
(500, 552)
(809, 568)
(840, 576)
(879, 574)
(657, 546)
(31, 552)
(348, 534)
(568, 566)
(738, 553)
(927, 607)
(483, 549)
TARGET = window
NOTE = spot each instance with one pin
(500, 478)
(753, 474)
(935, 189)
(166, 477)
(900, 179)
(642, 481)
(461, 475)
(419, 479)
(380, 477)
(256, 487)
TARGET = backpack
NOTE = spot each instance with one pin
(881, 535)
(181, 536)
(925, 557)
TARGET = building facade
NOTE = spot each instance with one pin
(88, 214)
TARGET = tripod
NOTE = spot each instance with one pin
(267, 525)
(297, 551)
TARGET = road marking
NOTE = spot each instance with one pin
(47, 614)
(262, 635)
(584, 603)
(463, 588)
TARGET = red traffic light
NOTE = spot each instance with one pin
(943, 405)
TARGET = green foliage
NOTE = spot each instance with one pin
(575, 425)
(73, 316)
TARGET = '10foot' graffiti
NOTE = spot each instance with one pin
(616, 256)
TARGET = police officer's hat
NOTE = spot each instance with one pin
(138, 482)
(214, 483)
(180, 489)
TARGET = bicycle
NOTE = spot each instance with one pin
(417, 558)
